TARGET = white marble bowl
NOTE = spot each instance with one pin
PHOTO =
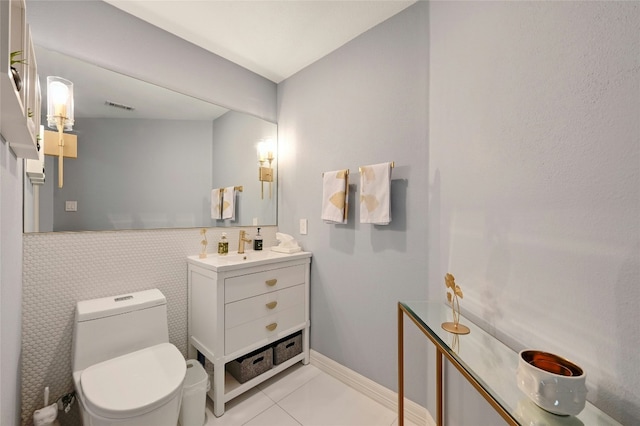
(552, 382)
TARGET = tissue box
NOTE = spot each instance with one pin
(286, 249)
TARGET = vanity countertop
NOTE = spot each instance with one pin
(249, 258)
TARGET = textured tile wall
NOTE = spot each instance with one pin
(63, 268)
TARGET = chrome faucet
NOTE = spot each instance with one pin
(241, 241)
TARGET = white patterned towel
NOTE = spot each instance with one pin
(375, 194)
(335, 196)
(216, 203)
(229, 203)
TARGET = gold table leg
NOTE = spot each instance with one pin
(400, 368)
(441, 353)
(440, 399)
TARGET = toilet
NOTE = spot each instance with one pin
(125, 371)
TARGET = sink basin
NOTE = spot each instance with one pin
(235, 260)
(248, 256)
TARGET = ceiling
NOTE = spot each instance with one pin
(274, 39)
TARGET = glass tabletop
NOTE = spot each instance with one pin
(493, 365)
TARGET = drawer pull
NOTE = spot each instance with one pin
(272, 326)
(272, 305)
(271, 282)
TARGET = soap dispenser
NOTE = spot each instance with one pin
(223, 245)
(257, 241)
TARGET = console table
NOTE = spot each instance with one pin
(488, 364)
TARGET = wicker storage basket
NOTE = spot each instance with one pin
(287, 348)
(251, 365)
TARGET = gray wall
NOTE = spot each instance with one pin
(135, 174)
(520, 177)
(99, 33)
(10, 284)
(535, 166)
(235, 162)
(363, 104)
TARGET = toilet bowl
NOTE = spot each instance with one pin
(125, 371)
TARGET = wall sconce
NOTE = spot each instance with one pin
(60, 117)
(265, 173)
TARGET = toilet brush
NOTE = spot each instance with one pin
(46, 416)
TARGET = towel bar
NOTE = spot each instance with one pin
(393, 164)
(237, 188)
(346, 172)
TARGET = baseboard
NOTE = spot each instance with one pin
(413, 412)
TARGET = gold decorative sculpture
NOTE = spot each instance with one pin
(204, 242)
(452, 297)
(455, 343)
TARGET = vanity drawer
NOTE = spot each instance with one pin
(244, 286)
(255, 331)
(256, 307)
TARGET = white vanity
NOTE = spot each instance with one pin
(240, 303)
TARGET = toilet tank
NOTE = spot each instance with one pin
(112, 326)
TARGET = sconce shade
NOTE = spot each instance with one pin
(59, 102)
(266, 151)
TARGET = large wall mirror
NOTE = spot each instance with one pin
(153, 166)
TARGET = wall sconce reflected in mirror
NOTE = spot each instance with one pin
(266, 149)
(60, 117)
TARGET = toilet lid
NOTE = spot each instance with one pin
(135, 383)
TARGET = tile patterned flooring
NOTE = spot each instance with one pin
(303, 395)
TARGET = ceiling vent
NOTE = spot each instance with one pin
(117, 105)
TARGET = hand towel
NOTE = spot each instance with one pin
(375, 190)
(229, 203)
(216, 203)
(335, 196)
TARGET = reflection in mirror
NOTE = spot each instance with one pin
(152, 166)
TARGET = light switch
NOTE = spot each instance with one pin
(255, 221)
(71, 206)
(303, 226)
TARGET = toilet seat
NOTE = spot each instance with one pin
(134, 384)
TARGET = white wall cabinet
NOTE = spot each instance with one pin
(235, 308)
(19, 106)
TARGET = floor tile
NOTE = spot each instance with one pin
(240, 410)
(325, 401)
(288, 381)
(274, 416)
